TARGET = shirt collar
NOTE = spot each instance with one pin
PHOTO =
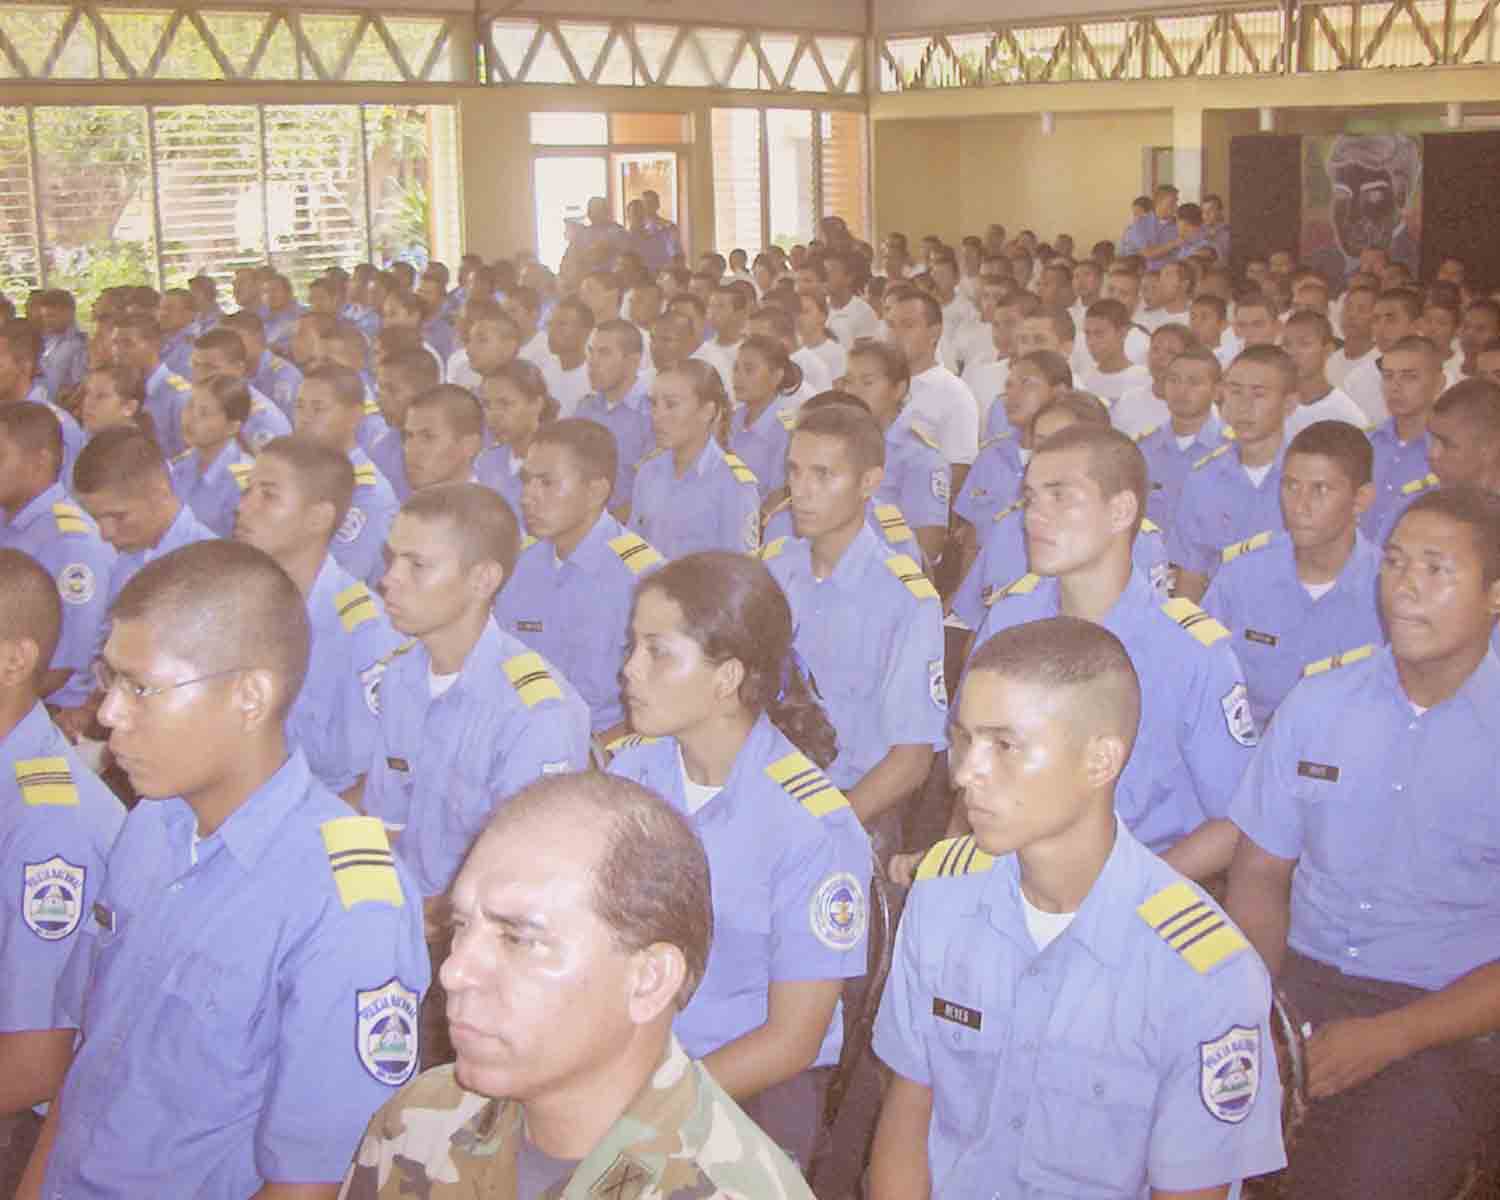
(40, 503)
(1480, 692)
(248, 832)
(32, 734)
(848, 572)
(593, 554)
(158, 376)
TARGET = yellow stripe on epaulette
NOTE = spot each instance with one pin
(1009, 510)
(1419, 485)
(779, 507)
(355, 606)
(1257, 542)
(892, 523)
(788, 419)
(628, 741)
(1149, 526)
(926, 438)
(46, 782)
(1192, 926)
(1145, 433)
(532, 680)
(904, 568)
(660, 450)
(952, 857)
(398, 651)
(802, 780)
(1342, 659)
(363, 867)
(1023, 586)
(771, 549)
(994, 441)
(69, 519)
(1216, 452)
(365, 475)
(738, 469)
(240, 472)
(371, 407)
(178, 382)
(1197, 622)
(635, 552)
(527, 541)
(182, 456)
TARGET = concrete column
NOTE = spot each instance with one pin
(1187, 152)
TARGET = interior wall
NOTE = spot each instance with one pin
(918, 184)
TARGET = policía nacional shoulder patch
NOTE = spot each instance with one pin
(52, 897)
(75, 583)
(353, 525)
(837, 913)
(364, 868)
(386, 1031)
(1229, 1074)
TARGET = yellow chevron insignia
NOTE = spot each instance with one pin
(635, 552)
(46, 782)
(954, 856)
(69, 519)
(925, 438)
(355, 606)
(892, 523)
(1009, 510)
(1192, 926)
(363, 866)
(1149, 526)
(371, 407)
(365, 475)
(1339, 660)
(527, 541)
(1144, 434)
(771, 549)
(1216, 452)
(532, 680)
(904, 568)
(1419, 485)
(1259, 542)
(241, 474)
(178, 382)
(738, 469)
(1023, 586)
(629, 741)
(1197, 622)
(788, 419)
(801, 779)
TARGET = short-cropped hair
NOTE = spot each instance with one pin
(1109, 310)
(1341, 443)
(120, 459)
(1115, 462)
(1475, 401)
(1270, 356)
(1473, 507)
(859, 431)
(478, 519)
(630, 337)
(590, 445)
(460, 408)
(226, 342)
(30, 607)
(323, 474)
(35, 429)
(344, 382)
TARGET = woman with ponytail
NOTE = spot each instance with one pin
(765, 382)
(729, 732)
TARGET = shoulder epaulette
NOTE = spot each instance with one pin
(892, 524)
(1192, 926)
(1145, 433)
(1149, 526)
(788, 419)
(69, 519)
(1419, 485)
(738, 469)
(904, 568)
(355, 606)
(390, 656)
(363, 867)
(780, 507)
(365, 475)
(802, 780)
(771, 549)
(1336, 661)
(241, 474)
(46, 782)
(1016, 587)
(1009, 510)
(371, 407)
(628, 741)
(998, 438)
(1216, 452)
(657, 453)
(954, 856)
(1197, 622)
(635, 552)
(178, 382)
(532, 680)
(182, 456)
(1258, 542)
(926, 438)
(527, 541)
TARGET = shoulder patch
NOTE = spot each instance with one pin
(363, 867)
(1008, 510)
(46, 783)
(355, 606)
(365, 475)
(1257, 542)
(1016, 587)
(241, 474)
(527, 541)
(994, 441)
(1197, 622)
(1343, 659)
(371, 406)
(773, 548)
(738, 469)
(802, 780)
(904, 568)
(69, 518)
(892, 524)
(954, 856)
(925, 438)
(1216, 452)
(629, 741)
(182, 456)
(1192, 926)
(532, 680)
(1419, 485)
(779, 507)
(635, 552)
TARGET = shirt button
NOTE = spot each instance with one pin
(1098, 1089)
(1032, 972)
(176, 887)
(1364, 906)
(1352, 951)
(1029, 1047)
(1400, 787)
(1016, 1123)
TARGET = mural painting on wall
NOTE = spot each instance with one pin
(1360, 191)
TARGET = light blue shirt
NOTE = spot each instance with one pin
(389, 457)
(1146, 231)
(713, 505)
(500, 471)
(166, 396)
(1167, 464)
(993, 482)
(1399, 466)
(886, 521)
(65, 361)
(184, 530)
(213, 493)
(280, 327)
(630, 422)
(762, 445)
(1220, 506)
(72, 432)
(278, 379)
(359, 544)
(917, 477)
(177, 351)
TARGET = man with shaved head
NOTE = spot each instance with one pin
(247, 988)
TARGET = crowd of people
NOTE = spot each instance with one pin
(454, 735)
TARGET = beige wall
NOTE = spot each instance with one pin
(916, 169)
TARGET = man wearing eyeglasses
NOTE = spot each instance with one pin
(246, 985)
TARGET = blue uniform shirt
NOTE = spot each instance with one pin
(65, 540)
(440, 336)
(993, 482)
(871, 635)
(714, 505)
(1401, 471)
(500, 471)
(1167, 464)
(213, 493)
(57, 823)
(334, 719)
(1219, 506)
(390, 460)
(1132, 1052)
(761, 446)
(1278, 628)
(72, 431)
(917, 476)
(790, 869)
(278, 380)
(65, 361)
(265, 422)
(177, 351)
(166, 396)
(280, 326)
(184, 530)
(1393, 818)
(577, 612)
(443, 764)
(1143, 232)
(244, 1014)
(887, 522)
(1196, 731)
(359, 544)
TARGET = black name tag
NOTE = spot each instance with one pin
(1312, 770)
(528, 626)
(1263, 639)
(398, 764)
(1158, 487)
(970, 1018)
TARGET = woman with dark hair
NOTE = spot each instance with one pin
(765, 383)
(516, 404)
(114, 395)
(215, 468)
(729, 732)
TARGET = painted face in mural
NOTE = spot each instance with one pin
(1372, 179)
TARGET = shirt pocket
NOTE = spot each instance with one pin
(1341, 831)
(207, 1018)
(1457, 863)
(964, 1063)
(1089, 1125)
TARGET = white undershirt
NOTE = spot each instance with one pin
(438, 684)
(696, 794)
(1186, 440)
(1318, 590)
(1044, 927)
(1257, 474)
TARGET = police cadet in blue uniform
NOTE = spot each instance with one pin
(57, 823)
(398, 380)
(270, 374)
(869, 623)
(64, 355)
(210, 474)
(1411, 380)
(297, 497)
(43, 521)
(734, 740)
(442, 437)
(765, 391)
(21, 382)
(690, 493)
(1085, 492)
(516, 405)
(620, 402)
(1193, 431)
(569, 597)
(330, 408)
(1066, 1015)
(1290, 599)
(137, 343)
(1234, 491)
(1366, 877)
(219, 354)
(246, 986)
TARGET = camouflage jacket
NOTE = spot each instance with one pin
(682, 1138)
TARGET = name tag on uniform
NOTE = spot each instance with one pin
(1158, 487)
(528, 627)
(970, 1018)
(398, 764)
(1312, 770)
(104, 918)
(1263, 639)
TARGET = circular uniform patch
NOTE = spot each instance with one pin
(838, 914)
(52, 898)
(752, 531)
(1229, 1074)
(353, 526)
(940, 485)
(75, 583)
(386, 1032)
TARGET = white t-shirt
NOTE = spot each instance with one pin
(947, 406)
(1363, 386)
(1257, 474)
(973, 344)
(458, 371)
(1137, 349)
(1110, 386)
(835, 358)
(1154, 318)
(958, 312)
(1044, 927)
(1139, 410)
(568, 388)
(696, 795)
(986, 381)
(722, 359)
(1339, 364)
(1336, 406)
(535, 351)
(854, 321)
(814, 369)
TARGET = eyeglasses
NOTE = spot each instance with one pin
(108, 680)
